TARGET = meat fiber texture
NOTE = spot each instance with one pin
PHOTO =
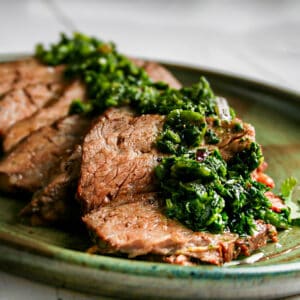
(30, 165)
(45, 116)
(25, 87)
(54, 203)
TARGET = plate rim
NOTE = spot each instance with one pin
(144, 268)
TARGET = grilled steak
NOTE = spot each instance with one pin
(19, 74)
(136, 226)
(52, 203)
(49, 206)
(44, 117)
(118, 192)
(29, 166)
(119, 156)
(117, 188)
(21, 105)
(118, 141)
(55, 202)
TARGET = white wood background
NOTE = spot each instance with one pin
(257, 39)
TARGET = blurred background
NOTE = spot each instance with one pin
(256, 39)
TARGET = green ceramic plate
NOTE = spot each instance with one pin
(57, 257)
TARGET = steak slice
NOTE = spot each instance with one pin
(21, 103)
(119, 156)
(20, 73)
(55, 202)
(117, 190)
(136, 226)
(44, 117)
(9, 73)
(29, 166)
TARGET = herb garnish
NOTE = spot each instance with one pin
(113, 80)
(204, 196)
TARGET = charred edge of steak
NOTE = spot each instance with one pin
(55, 203)
(230, 251)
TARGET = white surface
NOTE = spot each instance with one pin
(257, 39)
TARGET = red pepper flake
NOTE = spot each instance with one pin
(201, 154)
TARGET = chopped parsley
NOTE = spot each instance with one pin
(113, 80)
(205, 197)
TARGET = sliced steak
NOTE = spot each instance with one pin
(20, 107)
(21, 103)
(119, 156)
(136, 226)
(118, 191)
(55, 202)
(18, 74)
(29, 166)
(45, 116)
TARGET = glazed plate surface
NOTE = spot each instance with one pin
(57, 257)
